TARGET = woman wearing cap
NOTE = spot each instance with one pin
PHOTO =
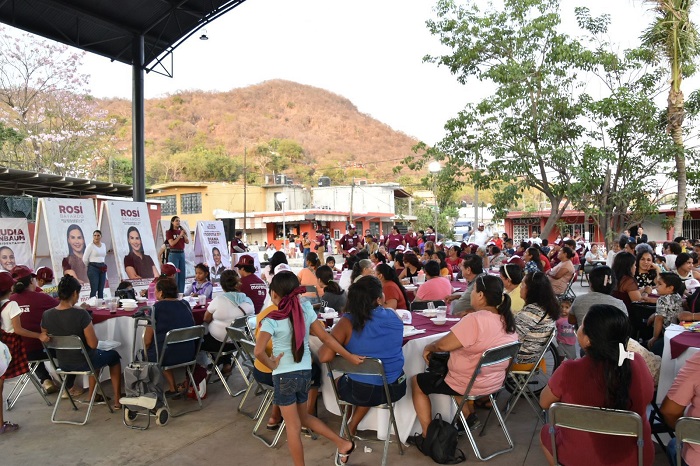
(137, 263)
(44, 281)
(9, 313)
(94, 260)
(177, 237)
(73, 263)
(28, 323)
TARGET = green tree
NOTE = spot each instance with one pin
(525, 134)
(675, 37)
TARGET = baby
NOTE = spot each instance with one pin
(566, 334)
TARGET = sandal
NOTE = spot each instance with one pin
(226, 370)
(273, 425)
(339, 457)
(100, 399)
(7, 427)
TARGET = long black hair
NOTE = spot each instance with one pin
(284, 283)
(277, 258)
(389, 275)
(67, 287)
(602, 279)
(492, 287)
(512, 272)
(540, 292)
(606, 327)
(172, 227)
(312, 258)
(535, 255)
(362, 299)
(326, 275)
(360, 266)
(622, 266)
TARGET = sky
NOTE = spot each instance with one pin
(369, 51)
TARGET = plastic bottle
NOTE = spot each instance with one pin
(151, 300)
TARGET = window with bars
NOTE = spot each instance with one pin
(691, 228)
(170, 205)
(191, 203)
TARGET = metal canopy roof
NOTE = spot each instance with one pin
(108, 27)
(20, 182)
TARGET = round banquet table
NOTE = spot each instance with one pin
(406, 420)
(670, 365)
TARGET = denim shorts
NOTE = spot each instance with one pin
(292, 387)
(98, 358)
(364, 394)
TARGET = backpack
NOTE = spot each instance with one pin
(440, 442)
(693, 301)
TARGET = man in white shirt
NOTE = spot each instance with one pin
(481, 236)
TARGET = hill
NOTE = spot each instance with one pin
(330, 135)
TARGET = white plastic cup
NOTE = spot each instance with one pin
(441, 313)
(202, 299)
(180, 296)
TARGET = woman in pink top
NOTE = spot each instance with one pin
(492, 325)
(435, 288)
(561, 274)
(685, 392)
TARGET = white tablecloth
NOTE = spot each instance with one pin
(406, 419)
(670, 367)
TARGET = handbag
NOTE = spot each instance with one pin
(440, 442)
(437, 364)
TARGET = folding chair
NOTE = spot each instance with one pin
(370, 366)
(178, 336)
(596, 420)
(73, 343)
(687, 430)
(239, 323)
(569, 292)
(22, 382)
(490, 357)
(422, 305)
(247, 347)
(658, 424)
(522, 379)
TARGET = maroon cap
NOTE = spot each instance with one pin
(169, 269)
(22, 271)
(517, 260)
(44, 273)
(244, 260)
(6, 282)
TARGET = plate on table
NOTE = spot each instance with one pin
(410, 330)
(410, 287)
(429, 312)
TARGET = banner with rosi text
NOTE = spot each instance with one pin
(15, 248)
(128, 226)
(64, 228)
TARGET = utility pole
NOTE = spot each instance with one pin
(245, 194)
(476, 200)
(352, 194)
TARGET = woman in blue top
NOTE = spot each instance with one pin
(289, 328)
(378, 333)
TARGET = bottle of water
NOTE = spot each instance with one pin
(151, 300)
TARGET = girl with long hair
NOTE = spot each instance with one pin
(395, 296)
(537, 319)
(606, 377)
(177, 237)
(202, 284)
(289, 328)
(377, 332)
(307, 275)
(330, 292)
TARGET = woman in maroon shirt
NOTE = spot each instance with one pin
(177, 237)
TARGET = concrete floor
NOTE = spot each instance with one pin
(219, 435)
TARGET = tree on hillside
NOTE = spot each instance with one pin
(43, 97)
(276, 155)
(619, 172)
(675, 37)
(527, 132)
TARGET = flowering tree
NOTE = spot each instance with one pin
(44, 99)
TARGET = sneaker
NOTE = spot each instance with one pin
(49, 386)
(473, 422)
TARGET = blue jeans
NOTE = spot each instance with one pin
(671, 449)
(97, 279)
(292, 387)
(178, 260)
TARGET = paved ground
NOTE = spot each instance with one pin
(218, 435)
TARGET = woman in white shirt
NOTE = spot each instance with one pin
(221, 312)
(94, 259)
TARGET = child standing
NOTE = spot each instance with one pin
(670, 288)
(566, 334)
(289, 329)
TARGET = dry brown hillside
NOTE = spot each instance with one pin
(334, 135)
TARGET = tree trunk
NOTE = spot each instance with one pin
(676, 114)
(554, 216)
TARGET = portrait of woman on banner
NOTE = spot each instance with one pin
(138, 264)
(73, 263)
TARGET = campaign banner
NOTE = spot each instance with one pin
(14, 244)
(128, 227)
(63, 229)
(211, 248)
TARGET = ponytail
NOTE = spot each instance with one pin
(505, 311)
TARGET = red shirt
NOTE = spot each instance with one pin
(546, 265)
(320, 241)
(172, 234)
(411, 240)
(33, 305)
(348, 242)
(255, 289)
(392, 241)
